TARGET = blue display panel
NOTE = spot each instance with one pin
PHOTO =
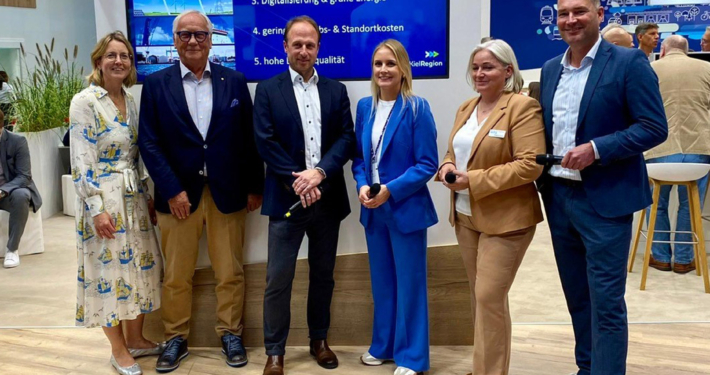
(531, 28)
(248, 34)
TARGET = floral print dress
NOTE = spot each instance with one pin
(118, 279)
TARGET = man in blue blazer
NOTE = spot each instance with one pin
(304, 133)
(602, 109)
(197, 142)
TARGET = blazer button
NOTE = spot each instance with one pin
(205, 147)
(201, 173)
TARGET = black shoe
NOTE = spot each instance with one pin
(175, 351)
(233, 348)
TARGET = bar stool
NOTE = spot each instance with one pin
(684, 174)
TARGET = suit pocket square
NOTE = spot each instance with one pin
(235, 102)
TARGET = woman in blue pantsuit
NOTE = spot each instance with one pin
(396, 139)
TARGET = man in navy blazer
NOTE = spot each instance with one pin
(197, 142)
(602, 109)
(304, 133)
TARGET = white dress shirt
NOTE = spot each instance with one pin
(198, 94)
(308, 102)
(384, 108)
(463, 143)
(565, 109)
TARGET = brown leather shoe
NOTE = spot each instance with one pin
(661, 266)
(274, 365)
(684, 268)
(323, 355)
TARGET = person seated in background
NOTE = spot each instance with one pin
(685, 88)
(616, 34)
(17, 190)
(6, 90)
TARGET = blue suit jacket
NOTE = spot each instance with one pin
(409, 160)
(175, 153)
(279, 138)
(622, 112)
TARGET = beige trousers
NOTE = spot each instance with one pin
(180, 245)
(491, 264)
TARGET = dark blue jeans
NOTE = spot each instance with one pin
(285, 238)
(591, 253)
(683, 252)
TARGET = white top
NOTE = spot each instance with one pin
(462, 143)
(384, 109)
(565, 109)
(5, 92)
(198, 94)
(308, 102)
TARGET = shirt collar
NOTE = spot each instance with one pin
(589, 57)
(296, 77)
(184, 71)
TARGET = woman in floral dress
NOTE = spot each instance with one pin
(117, 249)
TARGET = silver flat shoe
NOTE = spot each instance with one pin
(134, 369)
(157, 350)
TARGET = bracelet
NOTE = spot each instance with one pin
(321, 171)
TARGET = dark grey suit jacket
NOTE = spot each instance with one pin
(15, 159)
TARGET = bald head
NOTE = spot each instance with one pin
(674, 43)
(619, 36)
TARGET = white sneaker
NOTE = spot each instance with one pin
(405, 371)
(11, 259)
(369, 360)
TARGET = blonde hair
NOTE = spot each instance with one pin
(96, 77)
(401, 58)
(505, 55)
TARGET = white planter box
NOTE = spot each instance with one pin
(47, 168)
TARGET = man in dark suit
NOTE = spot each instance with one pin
(602, 109)
(17, 190)
(197, 142)
(304, 132)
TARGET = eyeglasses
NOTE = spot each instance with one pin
(185, 36)
(113, 56)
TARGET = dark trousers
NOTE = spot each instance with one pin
(18, 205)
(285, 238)
(591, 253)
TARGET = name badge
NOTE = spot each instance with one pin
(496, 133)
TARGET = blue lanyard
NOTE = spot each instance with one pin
(373, 153)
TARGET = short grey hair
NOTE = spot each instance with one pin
(707, 29)
(505, 55)
(675, 42)
(610, 27)
(177, 19)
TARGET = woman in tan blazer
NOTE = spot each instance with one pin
(494, 204)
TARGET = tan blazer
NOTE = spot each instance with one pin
(685, 88)
(502, 171)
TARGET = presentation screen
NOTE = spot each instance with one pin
(248, 34)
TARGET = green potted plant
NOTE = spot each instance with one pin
(41, 99)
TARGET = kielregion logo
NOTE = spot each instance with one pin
(430, 54)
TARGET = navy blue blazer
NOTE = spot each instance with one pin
(622, 112)
(409, 160)
(279, 139)
(175, 153)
